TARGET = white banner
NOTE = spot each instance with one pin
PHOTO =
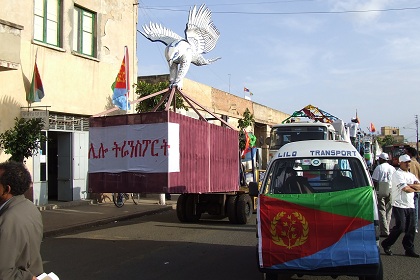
(149, 148)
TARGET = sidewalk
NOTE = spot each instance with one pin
(62, 217)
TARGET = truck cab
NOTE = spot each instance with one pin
(317, 213)
(284, 133)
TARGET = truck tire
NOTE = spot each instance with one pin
(231, 208)
(192, 212)
(180, 208)
(244, 209)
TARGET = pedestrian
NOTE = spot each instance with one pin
(353, 127)
(382, 177)
(21, 226)
(404, 184)
(415, 169)
(298, 167)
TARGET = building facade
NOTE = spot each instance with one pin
(78, 47)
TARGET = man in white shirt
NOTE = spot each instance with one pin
(404, 184)
(353, 127)
(382, 176)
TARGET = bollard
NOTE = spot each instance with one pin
(162, 199)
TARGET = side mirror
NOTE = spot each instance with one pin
(253, 188)
(268, 141)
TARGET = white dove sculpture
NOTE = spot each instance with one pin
(201, 36)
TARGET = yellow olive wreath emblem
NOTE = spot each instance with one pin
(289, 233)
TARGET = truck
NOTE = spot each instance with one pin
(321, 220)
(167, 152)
(309, 123)
(394, 151)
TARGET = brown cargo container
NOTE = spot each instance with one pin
(208, 159)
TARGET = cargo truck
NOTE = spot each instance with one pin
(167, 152)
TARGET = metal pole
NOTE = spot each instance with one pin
(416, 117)
(229, 82)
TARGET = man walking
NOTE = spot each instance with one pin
(404, 184)
(415, 169)
(382, 176)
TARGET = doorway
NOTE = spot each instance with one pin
(60, 166)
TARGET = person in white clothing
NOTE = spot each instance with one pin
(298, 167)
(353, 127)
(404, 185)
(382, 176)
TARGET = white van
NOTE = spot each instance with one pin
(284, 133)
(317, 213)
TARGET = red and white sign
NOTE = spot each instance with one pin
(149, 148)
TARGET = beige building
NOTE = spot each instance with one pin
(392, 131)
(79, 47)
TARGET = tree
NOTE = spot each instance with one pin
(23, 140)
(144, 89)
(247, 120)
(387, 140)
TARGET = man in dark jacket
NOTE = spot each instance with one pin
(21, 226)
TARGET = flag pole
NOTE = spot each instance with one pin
(127, 76)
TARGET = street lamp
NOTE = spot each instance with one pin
(416, 118)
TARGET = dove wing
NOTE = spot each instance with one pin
(156, 32)
(200, 31)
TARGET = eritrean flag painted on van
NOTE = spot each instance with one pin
(312, 231)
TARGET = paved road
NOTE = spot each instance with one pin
(159, 247)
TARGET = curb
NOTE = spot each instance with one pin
(68, 204)
(71, 228)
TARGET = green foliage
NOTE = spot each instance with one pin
(144, 89)
(247, 120)
(23, 140)
(387, 140)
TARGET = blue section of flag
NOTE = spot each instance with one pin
(357, 247)
(119, 98)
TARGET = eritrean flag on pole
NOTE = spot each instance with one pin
(319, 230)
(36, 92)
(121, 86)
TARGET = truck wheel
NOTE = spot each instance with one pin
(244, 209)
(180, 208)
(231, 208)
(192, 212)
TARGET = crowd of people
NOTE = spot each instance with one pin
(397, 191)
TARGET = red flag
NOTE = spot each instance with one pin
(36, 92)
(121, 86)
(372, 128)
(247, 140)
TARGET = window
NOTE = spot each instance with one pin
(317, 175)
(47, 21)
(84, 31)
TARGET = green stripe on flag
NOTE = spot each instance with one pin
(356, 202)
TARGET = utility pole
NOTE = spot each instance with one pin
(229, 85)
(416, 118)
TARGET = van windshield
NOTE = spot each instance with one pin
(314, 175)
(279, 136)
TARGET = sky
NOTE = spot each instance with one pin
(343, 56)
